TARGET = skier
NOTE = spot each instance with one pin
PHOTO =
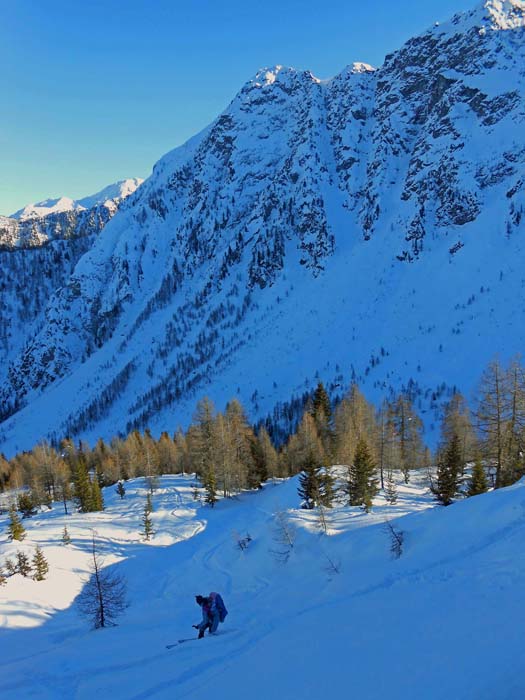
(213, 612)
(210, 616)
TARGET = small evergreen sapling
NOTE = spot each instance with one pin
(66, 539)
(40, 565)
(390, 488)
(3, 579)
(23, 566)
(15, 529)
(147, 524)
(149, 504)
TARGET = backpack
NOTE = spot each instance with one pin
(216, 599)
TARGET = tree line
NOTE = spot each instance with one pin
(228, 455)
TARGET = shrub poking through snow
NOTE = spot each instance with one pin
(396, 540)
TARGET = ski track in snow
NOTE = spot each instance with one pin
(267, 601)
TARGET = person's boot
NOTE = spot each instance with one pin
(201, 634)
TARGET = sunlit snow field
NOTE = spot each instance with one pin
(444, 620)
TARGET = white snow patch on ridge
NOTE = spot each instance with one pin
(118, 190)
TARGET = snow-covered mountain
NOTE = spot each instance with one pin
(38, 223)
(39, 248)
(369, 227)
(339, 618)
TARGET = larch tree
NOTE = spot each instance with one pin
(354, 420)
(492, 414)
(103, 598)
(456, 421)
(408, 429)
(268, 454)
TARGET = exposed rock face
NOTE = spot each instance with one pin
(234, 236)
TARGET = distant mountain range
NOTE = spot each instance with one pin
(368, 227)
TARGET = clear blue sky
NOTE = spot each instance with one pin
(97, 90)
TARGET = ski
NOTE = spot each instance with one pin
(181, 641)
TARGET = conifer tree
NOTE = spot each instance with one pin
(167, 455)
(121, 489)
(315, 487)
(354, 419)
(456, 421)
(22, 564)
(83, 488)
(322, 414)
(362, 482)
(269, 455)
(64, 485)
(103, 598)
(492, 414)
(309, 486)
(15, 529)
(478, 480)
(147, 523)
(209, 483)
(408, 429)
(390, 488)
(304, 448)
(26, 504)
(40, 565)
(97, 499)
(66, 539)
(3, 578)
(149, 503)
(449, 471)
(326, 495)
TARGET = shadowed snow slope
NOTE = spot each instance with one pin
(444, 620)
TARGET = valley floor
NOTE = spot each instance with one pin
(445, 620)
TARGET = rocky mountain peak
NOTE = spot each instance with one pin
(335, 212)
(495, 15)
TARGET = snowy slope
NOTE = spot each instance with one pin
(445, 620)
(39, 249)
(369, 227)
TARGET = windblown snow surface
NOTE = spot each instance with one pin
(445, 620)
